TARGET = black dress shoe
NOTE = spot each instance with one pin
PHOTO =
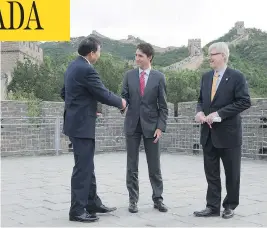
(133, 207)
(208, 212)
(160, 206)
(85, 217)
(228, 213)
(100, 209)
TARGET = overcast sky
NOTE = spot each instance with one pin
(165, 22)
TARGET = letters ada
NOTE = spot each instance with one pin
(32, 17)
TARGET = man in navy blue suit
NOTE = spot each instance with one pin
(81, 91)
(224, 94)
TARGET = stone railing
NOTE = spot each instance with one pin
(38, 136)
(21, 135)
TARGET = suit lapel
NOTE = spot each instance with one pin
(148, 83)
(224, 80)
(137, 80)
(209, 86)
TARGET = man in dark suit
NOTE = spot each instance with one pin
(224, 95)
(82, 89)
(144, 90)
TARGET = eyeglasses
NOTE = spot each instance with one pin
(212, 54)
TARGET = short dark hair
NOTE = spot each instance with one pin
(147, 48)
(89, 44)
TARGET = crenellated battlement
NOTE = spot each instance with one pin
(14, 52)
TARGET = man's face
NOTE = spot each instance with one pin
(216, 59)
(141, 59)
(94, 56)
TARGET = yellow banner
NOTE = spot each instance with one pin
(39, 20)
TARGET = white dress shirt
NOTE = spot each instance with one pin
(147, 72)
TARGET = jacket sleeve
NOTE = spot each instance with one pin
(95, 86)
(62, 93)
(242, 99)
(125, 91)
(162, 104)
(199, 107)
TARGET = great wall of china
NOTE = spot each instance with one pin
(22, 135)
(196, 57)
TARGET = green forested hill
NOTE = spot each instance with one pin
(254, 49)
(125, 51)
(248, 54)
(170, 57)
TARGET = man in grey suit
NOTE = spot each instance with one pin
(144, 90)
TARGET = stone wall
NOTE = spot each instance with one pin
(4, 80)
(22, 135)
(31, 50)
(254, 125)
(12, 52)
(191, 63)
(54, 109)
(259, 105)
(20, 109)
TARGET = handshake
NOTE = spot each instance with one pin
(124, 105)
(212, 117)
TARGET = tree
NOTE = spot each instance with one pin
(111, 71)
(43, 81)
(182, 86)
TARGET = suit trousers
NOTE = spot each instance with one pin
(231, 159)
(83, 181)
(153, 162)
(93, 198)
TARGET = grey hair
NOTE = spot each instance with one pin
(221, 47)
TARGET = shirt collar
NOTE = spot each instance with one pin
(147, 71)
(221, 71)
(85, 59)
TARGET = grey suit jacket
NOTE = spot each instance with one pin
(152, 108)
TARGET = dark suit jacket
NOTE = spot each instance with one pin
(231, 98)
(152, 108)
(82, 89)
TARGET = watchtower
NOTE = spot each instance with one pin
(194, 47)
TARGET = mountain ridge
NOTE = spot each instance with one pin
(174, 58)
(248, 54)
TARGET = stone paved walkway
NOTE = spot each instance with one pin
(36, 192)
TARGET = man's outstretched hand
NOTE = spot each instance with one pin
(123, 104)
